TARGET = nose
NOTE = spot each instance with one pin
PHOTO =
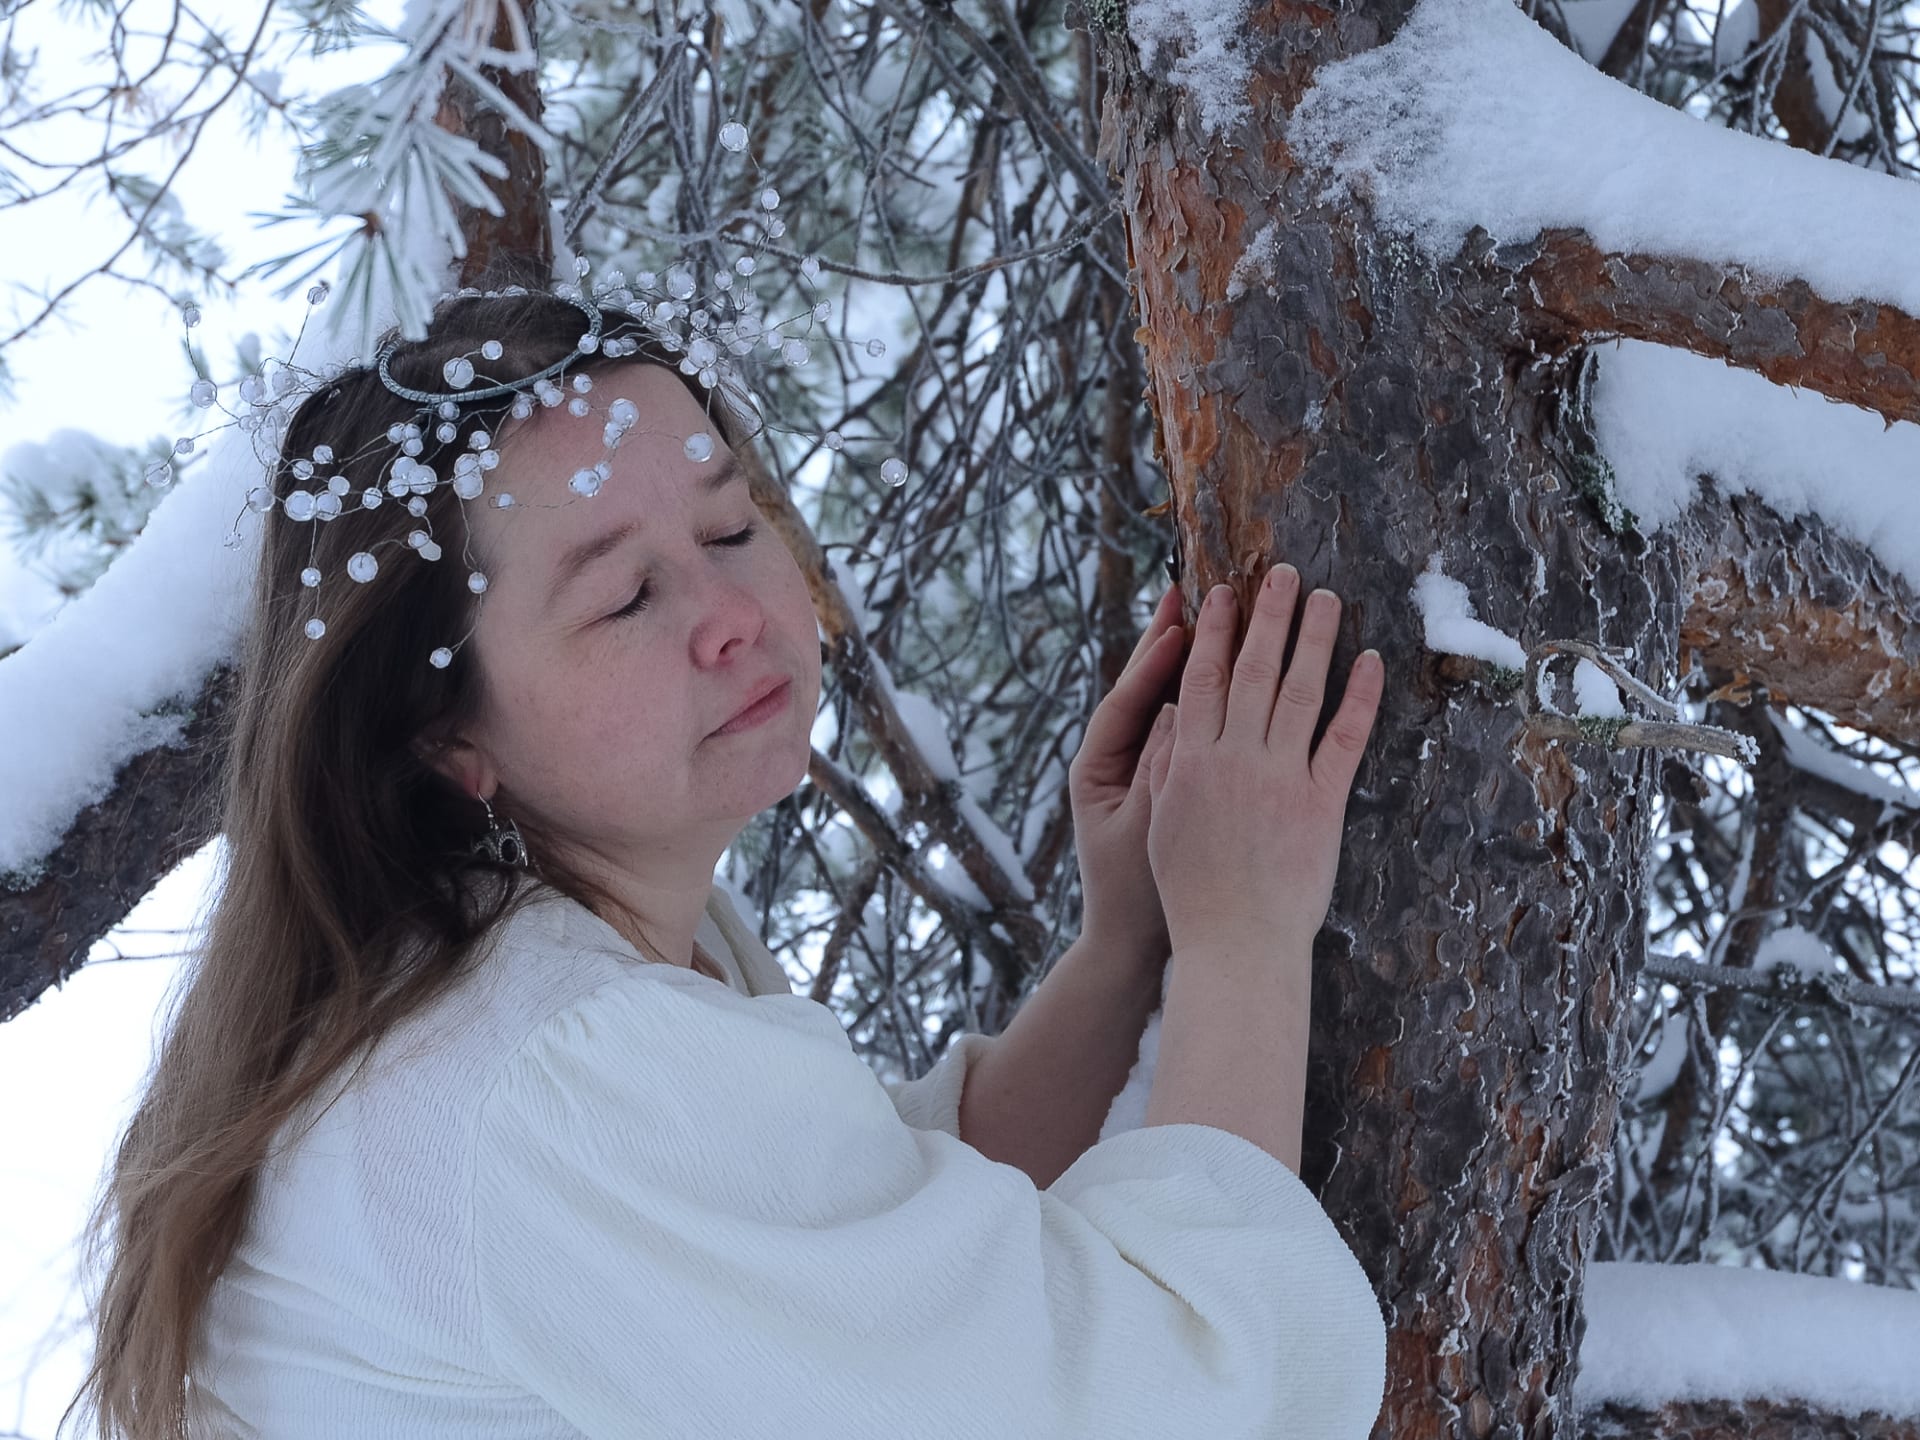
(729, 617)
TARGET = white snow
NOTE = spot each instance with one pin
(1255, 265)
(75, 700)
(1211, 60)
(1474, 115)
(1452, 629)
(926, 727)
(1674, 1332)
(1664, 417)
(1796, 949)
(1804, 752)
(1594, 691)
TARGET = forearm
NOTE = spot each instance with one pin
(1038, 1098)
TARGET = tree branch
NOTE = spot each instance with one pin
(160, 811)
(1749, 1419)
(1816, 618)
(1858, 351)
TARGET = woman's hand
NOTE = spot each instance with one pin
(1247, 812)
(1107, 787)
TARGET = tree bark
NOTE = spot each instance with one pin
(1735, 1420)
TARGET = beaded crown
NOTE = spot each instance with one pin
(710, 329)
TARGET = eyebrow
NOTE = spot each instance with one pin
(588, 552)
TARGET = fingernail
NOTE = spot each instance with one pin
(1217, 596)
(1164, 718)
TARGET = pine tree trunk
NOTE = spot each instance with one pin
(1357, 411)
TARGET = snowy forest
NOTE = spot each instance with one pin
(1574, 344)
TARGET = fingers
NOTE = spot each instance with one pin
(1338, 755)
(1298, 710)
(1166, 731)
(1166, 615)
(1203, 686)
(1114, 732)
(1256, 673)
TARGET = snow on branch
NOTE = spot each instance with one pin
(105, 679)
(1662, 1333)
(1474, 116)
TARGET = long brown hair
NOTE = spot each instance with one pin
(350, 896)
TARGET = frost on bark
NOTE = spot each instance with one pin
(1327, 396)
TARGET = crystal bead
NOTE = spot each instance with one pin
(833, 440)
(587, 344)
(733, 136)
(476, 582)
(416, 506)
(183, 446)
(204, 393)
(522, 408)
(446, 432)
(300, 505)
(316, 627)
(876, 348)
(302, 469)
(624, 413)
(579, 406)
(893, 471)
(161, 473)
(323, 454)
(582, 384)
(581, 265)
(370, 498)
(326, 505)
(317, 294)
(413, 446)
(777, 229)
(260, 499)
(585, 482)
(362, 566)
(489, 459)
(416, 538)
(252, 391)
(699, 446)
(479, 440)
(309, 577)
(769, 199)
(468, 486)
(492, 349)
(190, 313)
(744, 265)
(709, 377)
(502, 500)
(430, 551)
(339, 484)
(795, 352)
(680, 282)
(440, 658)
(810, 267)
(823, 310)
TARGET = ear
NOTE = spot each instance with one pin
(460, 762)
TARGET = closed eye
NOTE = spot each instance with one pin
(639, 601)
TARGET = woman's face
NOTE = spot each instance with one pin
(621, 631)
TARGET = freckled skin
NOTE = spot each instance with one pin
(597, 727)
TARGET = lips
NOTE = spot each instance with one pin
(754, 697)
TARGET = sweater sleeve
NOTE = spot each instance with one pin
(699, 1215)
(932, 1102)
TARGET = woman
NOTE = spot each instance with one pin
(445, 1143)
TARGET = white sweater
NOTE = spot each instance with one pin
(587, 1195)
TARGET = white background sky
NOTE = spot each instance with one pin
(111, 364)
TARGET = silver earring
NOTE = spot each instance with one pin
(502, 843)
